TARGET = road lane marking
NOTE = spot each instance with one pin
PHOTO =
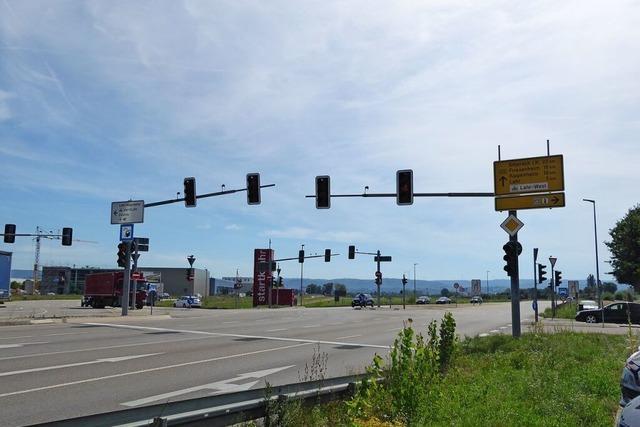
(233, 321)
(159, 368)
(71, 365)
(14, 338)
(483, 335)
(21, 344)
(348, 336)
(224, 386)
(220, 334)
(494, 331)
(394, 329)
(22, 356)
(503, 327)
(277, 330)
(312, 326)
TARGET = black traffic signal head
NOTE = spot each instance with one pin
(67, 236)
(9, 233)
(301, 256)
(190, 192)
(327, 255)
(378, 281)
(352, 252)
(404, 279)
(557, 277)
(122, 255)
(323, 192)
(253, 189)
(511, 252)
(404, 187)
(541, 273)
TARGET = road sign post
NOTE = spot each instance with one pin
(535, 284)
(515, 287)
(126, 283)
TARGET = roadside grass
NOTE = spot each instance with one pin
(563, 311)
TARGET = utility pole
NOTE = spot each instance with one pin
(414, 282)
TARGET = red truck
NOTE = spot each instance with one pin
(102, 289)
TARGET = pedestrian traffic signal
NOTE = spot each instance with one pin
(404, 187)
(122, 255)
(557, 277)
(301, 256)
(9, 233)
(352, 252)
(253, 189)
(67, 236)
(323, 192)
(511, 251)
(327, 255)
(541, 273)
(190, 192)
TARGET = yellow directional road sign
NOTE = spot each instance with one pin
(530, 175)
(534, 201)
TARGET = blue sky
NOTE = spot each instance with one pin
(110, 100)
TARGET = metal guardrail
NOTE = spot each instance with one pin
(219, 410)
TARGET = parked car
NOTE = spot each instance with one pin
(617, 312)
(630, 415)
(587, 304)
(443, 300)
(423, 300)
(630, 381)
(165, 295)
(187, 301)
(476, 300)
(361, 300)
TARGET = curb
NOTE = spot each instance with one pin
(22, 322)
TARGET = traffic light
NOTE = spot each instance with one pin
(189, 274)
(301, 256)
(323, 192)
(67, 236)
(404, 280)
(253, 188)
(190, 192)
(280, 282)
(557, 277)
(404, 187)
(122, 255)
(327, 255)
(511, 251)
(378, 278)
(352, 252)
(541, 273)
(9, 233)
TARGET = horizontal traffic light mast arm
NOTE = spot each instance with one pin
(414, 195)
(52, 236)
(306, 257)
(366, 253)
(201, 196)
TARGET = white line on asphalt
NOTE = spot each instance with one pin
(494, 331)
(220, 334)
(503, 327)
(224, 386)
(22, 356)
(14, 338)
(71, 365)
(394, 329)
(277, 330)
(483, 335)
(348, 336)
(233, 321)
(159, 368)
(312, 326)
(21, 344)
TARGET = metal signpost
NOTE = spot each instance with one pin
(552, 282)
(535, 283)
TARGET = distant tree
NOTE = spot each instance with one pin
(590, 289)
(609, 287)
(313, 289)
(16, 285)
(327, 289)
(445, 292)
(625, 248)
(340, 289)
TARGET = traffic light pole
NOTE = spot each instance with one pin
(552, 281)
(126, 283)
(379, 281)
(535, 283)
(515, 290)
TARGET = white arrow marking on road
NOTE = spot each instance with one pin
(70, 365)
(224, 386)
(21, 344)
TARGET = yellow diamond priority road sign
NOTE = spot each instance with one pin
(512, 225)
(530, 201)
(530, 175)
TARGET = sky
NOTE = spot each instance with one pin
(104, 101)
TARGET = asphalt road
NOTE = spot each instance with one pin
(63, 370)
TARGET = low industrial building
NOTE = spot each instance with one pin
(174, 281)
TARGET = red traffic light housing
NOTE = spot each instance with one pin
(67, 236)
(253, 189)
(190, 192)
(404, 187)
(323, 192)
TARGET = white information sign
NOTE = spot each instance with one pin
(130, 212)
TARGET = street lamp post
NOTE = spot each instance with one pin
(595, 234)
(414, 281)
